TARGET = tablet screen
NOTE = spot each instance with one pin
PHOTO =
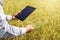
(25, 13)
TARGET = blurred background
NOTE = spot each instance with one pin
(46, 18)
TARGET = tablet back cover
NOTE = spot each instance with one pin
(25, 13)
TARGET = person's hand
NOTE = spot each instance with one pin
(13, 17)
(29, 28)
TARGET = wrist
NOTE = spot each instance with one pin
(13, 17)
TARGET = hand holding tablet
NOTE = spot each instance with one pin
(25, 13)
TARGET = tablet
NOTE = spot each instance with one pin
(25, 13)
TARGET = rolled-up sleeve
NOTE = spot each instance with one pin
(23, 30)
(8, 17)
(16, 31)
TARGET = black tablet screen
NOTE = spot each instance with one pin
(25, 13)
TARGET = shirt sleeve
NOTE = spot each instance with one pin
(16, 31)
(8, 17)
(23, 30)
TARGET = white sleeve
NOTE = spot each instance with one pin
(16, 30)
(8, 17)
(23, 30)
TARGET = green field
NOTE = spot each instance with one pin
(46, 18)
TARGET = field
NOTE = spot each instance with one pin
(46, 18)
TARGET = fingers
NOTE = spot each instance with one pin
(16, 13)
(32, 27)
